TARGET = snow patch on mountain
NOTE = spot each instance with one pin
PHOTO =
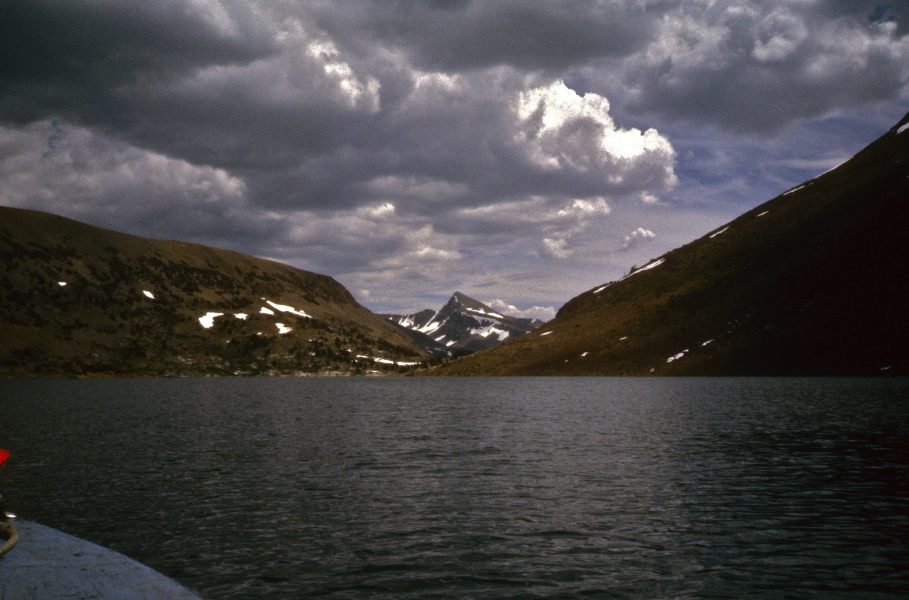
(500, 333)
(645, 268)
(483, 312)
(386, 361)
(286, 308)
(677, 356)
(208, 321)
(713, 235)
(795, 189)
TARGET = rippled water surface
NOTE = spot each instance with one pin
(476, 488)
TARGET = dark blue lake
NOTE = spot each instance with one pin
(476, 488)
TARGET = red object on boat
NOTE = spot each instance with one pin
(3, 455)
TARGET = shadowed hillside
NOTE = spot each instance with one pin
(813, 282)
(77, 300)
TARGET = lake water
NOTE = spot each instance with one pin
(388, 488)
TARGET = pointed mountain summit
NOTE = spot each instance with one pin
(82, 301)
(812, 282)
(463, 324)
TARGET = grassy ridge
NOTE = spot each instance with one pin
(101, 323)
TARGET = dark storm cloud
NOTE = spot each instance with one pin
(399, 142)
(192, 80)
(69, 170)
(870, 10)
(754, 67)
(455, 36)
(69, 56)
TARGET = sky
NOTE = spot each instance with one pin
(518, 151)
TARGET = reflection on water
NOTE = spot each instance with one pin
(466, 488)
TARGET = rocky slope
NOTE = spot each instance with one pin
(812, 282)
(77, 300)
(463, 325)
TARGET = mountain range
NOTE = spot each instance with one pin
(81, 301)
(812, 282)
(462, 326)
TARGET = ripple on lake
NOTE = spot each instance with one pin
(523, 487)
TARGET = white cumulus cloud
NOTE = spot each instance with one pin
(555, 248)
(543, 313)
(562, 130)
(636, 237)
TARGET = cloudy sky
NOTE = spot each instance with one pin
(518, 151)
